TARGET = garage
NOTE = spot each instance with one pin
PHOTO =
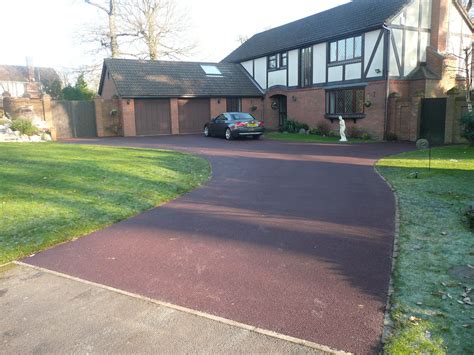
(152, 116)
(193, 114)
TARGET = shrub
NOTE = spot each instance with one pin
(358, 133)
(314, 132)
(333, 134)
(467, 123)
(391, 137)
(24, 125)
(292, 126)
(324, 128)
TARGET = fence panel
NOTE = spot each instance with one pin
(74, 119)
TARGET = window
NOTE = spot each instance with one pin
(211, 70)
(272, 62)
(283, 60)
(306, 67)
(345, 102)
(346, 49)
(242, 117)
(234, 104)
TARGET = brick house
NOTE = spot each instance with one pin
(385, 66)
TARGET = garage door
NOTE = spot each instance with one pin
(152, 117)
(193, 114)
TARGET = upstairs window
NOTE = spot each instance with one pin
(278, 61)
(345, 102)
(306, 78)
(272, 62)
(345, 49)
(283, 60)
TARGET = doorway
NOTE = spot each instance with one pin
(433, 120)
(280, 101)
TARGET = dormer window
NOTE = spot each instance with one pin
(346, 49)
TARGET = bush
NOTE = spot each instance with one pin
(24, 125)
(314, 132)
(292, 126)
(358, 133)
(323, 128)
(333, 134)
(467, 123)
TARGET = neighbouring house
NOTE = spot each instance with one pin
(388, 67)
(20, 81)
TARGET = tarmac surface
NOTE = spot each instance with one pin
(290, 237)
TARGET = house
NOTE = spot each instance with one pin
(385, 66)
(19, 80)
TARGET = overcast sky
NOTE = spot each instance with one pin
(46, 30)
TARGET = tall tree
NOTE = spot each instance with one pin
(156, 29)
(110, 8)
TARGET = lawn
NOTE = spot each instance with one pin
(308, 138)
(51, 193)
(433, 241)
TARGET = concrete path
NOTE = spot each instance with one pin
(294, 238)
(44, 313)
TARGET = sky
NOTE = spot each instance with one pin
(48, 30)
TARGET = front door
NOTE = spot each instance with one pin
(433, 120)
(282, 109)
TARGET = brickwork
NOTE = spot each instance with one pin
(255, 106)
(108, 117)
(128, 117)
(218, 106)
(174, 112)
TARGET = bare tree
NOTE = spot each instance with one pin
(464, 68)
(110, 8)
(155, 28)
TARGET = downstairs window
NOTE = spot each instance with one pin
(345, 102)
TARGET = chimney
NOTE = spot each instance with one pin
(31, 69)
(439, 25)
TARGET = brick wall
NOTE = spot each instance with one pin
(218, 106)
(309, 106)
(108, 117)
(255, 106)
(128, 117)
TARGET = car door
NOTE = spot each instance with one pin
(213, 126)
(219, 125)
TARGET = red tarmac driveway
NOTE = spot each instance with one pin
(295, 238)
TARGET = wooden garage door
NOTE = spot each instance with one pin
(152, 117)
(193, 114)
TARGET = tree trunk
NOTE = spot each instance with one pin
(467, 66)
(113, 31)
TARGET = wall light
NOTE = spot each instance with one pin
(128, 101)
(294, 98)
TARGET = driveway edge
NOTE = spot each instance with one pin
(269, 333)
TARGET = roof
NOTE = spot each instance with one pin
(20, 73)
(147, 78)
(349, 18)
(421, 73)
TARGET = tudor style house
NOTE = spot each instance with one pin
(387, 67)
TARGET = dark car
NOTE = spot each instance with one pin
(234, 124)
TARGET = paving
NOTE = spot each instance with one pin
(290, 237)
(43, 313)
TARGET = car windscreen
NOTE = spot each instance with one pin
(241, 116)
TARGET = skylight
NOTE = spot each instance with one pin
(211, 70)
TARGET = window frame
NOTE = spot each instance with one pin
(302, 75)
(342, 92)
(352, 57)
(285, 56)
(271, 60)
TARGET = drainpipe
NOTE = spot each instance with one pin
(387, 74)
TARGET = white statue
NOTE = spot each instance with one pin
(342, 129)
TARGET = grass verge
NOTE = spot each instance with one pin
(51, 193)
(307, 138)
(435, 248)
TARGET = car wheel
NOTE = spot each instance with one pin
(228, 134)
(257, 136)
(206, 131)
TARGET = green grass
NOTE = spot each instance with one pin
(433, 239)
(51, 193)
(307, 138)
